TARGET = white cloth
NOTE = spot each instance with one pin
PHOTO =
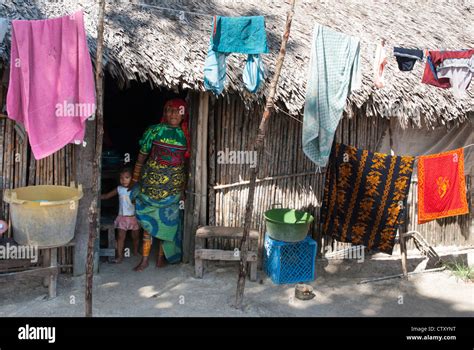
(459, 71)
(126, 207)
(3, 28)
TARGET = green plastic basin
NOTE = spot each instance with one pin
(288, 225)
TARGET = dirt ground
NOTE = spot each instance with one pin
(173, 291)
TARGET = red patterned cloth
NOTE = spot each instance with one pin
(441, 186)
(434, 59)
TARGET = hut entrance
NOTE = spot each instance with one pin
(127, 114)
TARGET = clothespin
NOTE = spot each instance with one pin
(78, 142)
(215, 25)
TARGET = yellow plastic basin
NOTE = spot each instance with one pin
(44, 216)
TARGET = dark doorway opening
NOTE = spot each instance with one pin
(127, 114)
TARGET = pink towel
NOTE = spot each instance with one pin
(51, 90)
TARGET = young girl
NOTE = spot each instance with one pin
(126, 219)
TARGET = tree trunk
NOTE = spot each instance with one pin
(258, 147)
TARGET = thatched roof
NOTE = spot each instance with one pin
(156, 46)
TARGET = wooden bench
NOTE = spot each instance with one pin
(49, 269)
(210, 232)
(107, 224)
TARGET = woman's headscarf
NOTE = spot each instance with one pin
(180, 104)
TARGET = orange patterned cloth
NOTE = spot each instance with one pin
(441, 186)
(365, 197)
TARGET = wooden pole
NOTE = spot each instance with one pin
(93, 222)
(402, 238)
(258, 147)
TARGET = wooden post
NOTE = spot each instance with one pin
(191, 199)
(93, 210)
(401, 237)
(46, 263)
(258, 147)
(202, 140)
(53, 277)
(212, 161)
(403, 251)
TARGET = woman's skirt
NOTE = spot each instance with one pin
(162, 219)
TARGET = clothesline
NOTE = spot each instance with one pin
(386, 43)
(472, 144)
(289, 115)
(299, 121)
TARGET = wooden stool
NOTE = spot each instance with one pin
(107, 224)
(201, 253)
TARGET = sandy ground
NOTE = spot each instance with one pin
(173, 291)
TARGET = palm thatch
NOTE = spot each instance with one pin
(168, 48)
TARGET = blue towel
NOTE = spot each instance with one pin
(214, 71)
(240, 35)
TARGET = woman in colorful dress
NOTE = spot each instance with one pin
(161, 178)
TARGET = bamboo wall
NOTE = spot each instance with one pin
(293, 180)
(19, 168)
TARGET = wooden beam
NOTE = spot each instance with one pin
(53, 278)
(191, 200)
(268, 178)
(204, 124)
(94, 210)
(258, 147)
(212, 161)
(37, 272)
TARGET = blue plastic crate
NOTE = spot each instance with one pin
(286, 262)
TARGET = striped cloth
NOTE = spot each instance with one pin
(334, 72)
(364, 197)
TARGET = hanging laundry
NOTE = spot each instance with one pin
(418, 142)
(51, 89)
(365, 196)
(441, 186)
(3, 28)
(459, 71)
(406, 58)
(334, 72)
(380, 61)
(245, 35)
(434, 60)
